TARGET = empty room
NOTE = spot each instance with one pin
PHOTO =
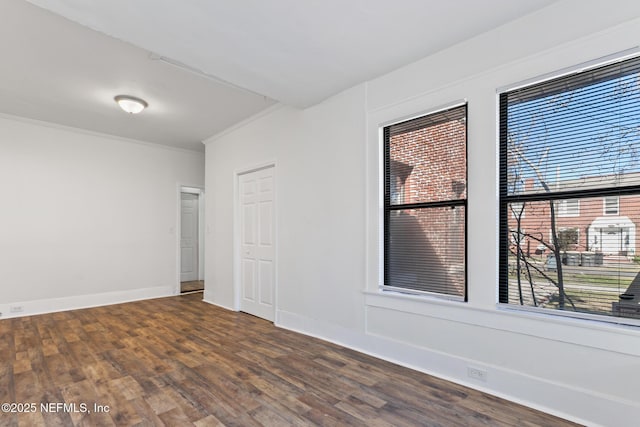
(285, 212)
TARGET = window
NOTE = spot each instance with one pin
(611, 205)
(568, 238)
(425, 192)
(568, 208)
(569, 147)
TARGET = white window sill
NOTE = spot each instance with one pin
(597, 334)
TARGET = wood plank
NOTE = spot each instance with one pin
(180, 361)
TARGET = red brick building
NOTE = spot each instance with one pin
(598, 224)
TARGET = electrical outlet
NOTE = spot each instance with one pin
(477, 374)
(16, 309)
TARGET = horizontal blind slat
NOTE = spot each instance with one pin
(425, 214)
(570, 190)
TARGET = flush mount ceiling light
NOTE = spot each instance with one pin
(131, 104)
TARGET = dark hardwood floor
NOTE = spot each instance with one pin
(179, 361)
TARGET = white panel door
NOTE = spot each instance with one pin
(188, 237)
(612, 240)
(257, 248)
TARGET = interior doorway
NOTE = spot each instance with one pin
(191, 240)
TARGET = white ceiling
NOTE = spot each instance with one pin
(241, 56)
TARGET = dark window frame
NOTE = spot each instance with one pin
(389, 207)
(597, 74)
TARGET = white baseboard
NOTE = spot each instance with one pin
(42, 306)
(586, 407)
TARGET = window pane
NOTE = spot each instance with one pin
(426, 250)
(569, 207)
(425, 199)
(570, 192)
(597, 255)
(611, 205)
(428, 159)
(582, 138)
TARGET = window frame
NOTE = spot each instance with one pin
(605, 208)
(557, 196)
(567, 211)
(569, 228)
(388, 207)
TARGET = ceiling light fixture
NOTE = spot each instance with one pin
(131, 104)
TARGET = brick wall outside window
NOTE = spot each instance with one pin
(429, 165)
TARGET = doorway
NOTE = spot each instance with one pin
(191, 240)
(255, 235)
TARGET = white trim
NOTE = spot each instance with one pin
(604, 206)
(396, 291)
(254, 168)
(434, 110)
(53, 305)
(380, 125)
(190, 189)
(583, 332)
(57, 126)
(574, 45)
(563, 204)
(380, 210)
(567, 314)
(574, 69)
(548, 396)
(243, 123)
(206, 298)
(201, 233)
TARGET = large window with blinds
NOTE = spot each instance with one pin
(570, 194)
(425, 199)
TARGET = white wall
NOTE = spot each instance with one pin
(318, 209)
(329, 219)
(86, 219)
